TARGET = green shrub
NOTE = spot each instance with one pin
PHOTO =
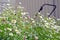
(16, 26)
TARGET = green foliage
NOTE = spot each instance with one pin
(16, 26)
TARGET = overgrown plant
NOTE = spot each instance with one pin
(16, 26)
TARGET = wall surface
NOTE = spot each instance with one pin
(32, 6)
(57, 12)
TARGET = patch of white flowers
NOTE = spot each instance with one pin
(28, 25)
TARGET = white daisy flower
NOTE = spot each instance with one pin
(14, 21)
(39, 13)
(11, 34)
(26, 18)
(40, 16)
(8, 4)
(9, 29)
(20, 3)
(45, 21)
(0, 30)
(24, 13)
(33, 21)
(36, 38)
(16, 30)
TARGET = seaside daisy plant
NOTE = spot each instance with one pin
(18, 26)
